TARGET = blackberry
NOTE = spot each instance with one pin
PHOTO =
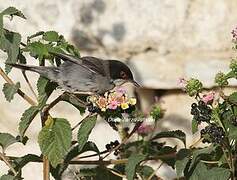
(112, 145)
(194, 105)
(92, 109)
(116, 153)
(116, 143)
(108, 146)
(201, 112)
(201, 104)
(213, 134)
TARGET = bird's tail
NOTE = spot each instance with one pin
(48, 72)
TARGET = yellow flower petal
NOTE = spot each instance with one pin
(103, 109)
(124, 106)
(132, 101)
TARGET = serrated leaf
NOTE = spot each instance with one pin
(27, 118)
(51, 36)
(84, 131)
(12, 11)
(182, 160)
(37, 49)
(178, 134)
(7, 177)
(89, 146)
(55, 140)
(6, 140)
(233, 98)
(10, 42)
(201, 172)
(133, 161)
(10, 90)
(45, 88)
(198, 153)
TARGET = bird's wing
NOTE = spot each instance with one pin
(92, 64)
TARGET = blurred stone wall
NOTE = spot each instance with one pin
(161, 40)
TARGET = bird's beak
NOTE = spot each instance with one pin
(135, 83)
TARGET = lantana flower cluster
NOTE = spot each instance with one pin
(113, 100)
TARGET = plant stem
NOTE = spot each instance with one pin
(29, 84)
(20, 92)
(46, 168)
(137, 125)
(5, 159)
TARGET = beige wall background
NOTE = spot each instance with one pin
(161, 40)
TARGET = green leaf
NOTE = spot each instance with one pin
(133, 161)
(10, 90)
(146, 172)
(194, 126)
(55, 140)
(182, 160)
(37, 49)
(6, 140)
(233, 98)
(84, 131)
(201, 172)
(198, 153)
(45, 88)
(171, 134)
(12, 11)
(7, 177)
(51, 36)
(1, 25)
(20, 162)
(27, 118)
(10, 42)
(58, 171)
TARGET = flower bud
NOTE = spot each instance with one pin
(193, 87)
(221, 79)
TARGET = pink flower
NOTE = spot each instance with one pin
(209, 97)
(144, 129)
(182, 82)
(234, 33)
(113, 104)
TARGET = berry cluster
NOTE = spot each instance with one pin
(212, 134)
(201, 112)
(112, 145)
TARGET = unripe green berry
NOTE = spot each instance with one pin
(156, 112)
(221, 79)
(193, 87)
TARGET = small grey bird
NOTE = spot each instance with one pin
(85, 75)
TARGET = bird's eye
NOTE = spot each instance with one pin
(123, 75)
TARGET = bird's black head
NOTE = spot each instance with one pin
(120, 72)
